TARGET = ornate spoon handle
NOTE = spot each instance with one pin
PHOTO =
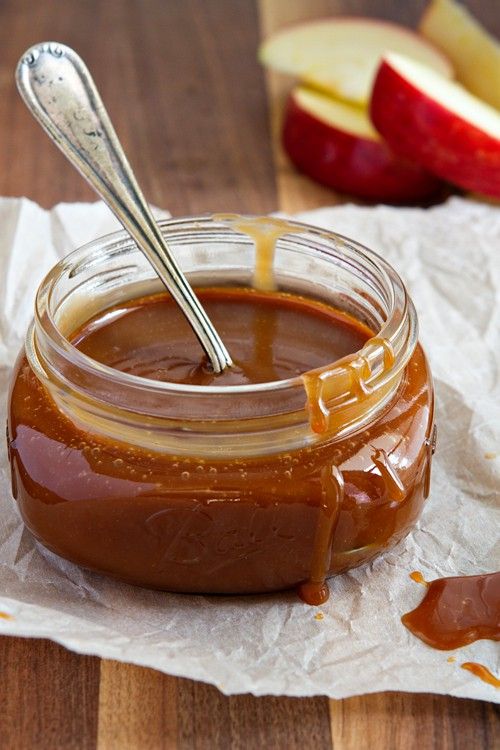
(59, 91)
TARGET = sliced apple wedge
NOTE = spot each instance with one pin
(475, 54)
(340, 55)
(335, 144)
(438, 124)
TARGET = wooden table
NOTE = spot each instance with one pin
(201, 124)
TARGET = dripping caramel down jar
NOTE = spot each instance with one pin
(214, 488)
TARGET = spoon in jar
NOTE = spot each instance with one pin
(59, 91)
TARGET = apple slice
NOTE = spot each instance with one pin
(335, 144)
(340, 55)
(475, 54)
(438, 124)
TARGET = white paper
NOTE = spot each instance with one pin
(449, 258)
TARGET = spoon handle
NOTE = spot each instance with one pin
(59, 91)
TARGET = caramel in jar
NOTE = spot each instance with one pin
(218, 521)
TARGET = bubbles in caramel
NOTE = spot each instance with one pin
(310, 456)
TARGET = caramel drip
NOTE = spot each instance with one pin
(417, 576)
(457, 611)
(265, 246)
(320, 384)
(430, 444)
(5, 616)
(482, 672)
(388, 356)
(319, 415)
(315, 590)
(360, 371)
(318, 387)
(265, 232)
(393, 483)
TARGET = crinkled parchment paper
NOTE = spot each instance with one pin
(449, 257)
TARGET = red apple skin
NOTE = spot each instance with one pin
(420, 128)
(349, 163)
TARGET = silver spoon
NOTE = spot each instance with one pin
(59, 91)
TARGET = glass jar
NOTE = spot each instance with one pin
(241, 489)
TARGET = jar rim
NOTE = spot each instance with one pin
(63, 345)
(308, 260)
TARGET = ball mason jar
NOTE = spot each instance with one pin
(242, 489)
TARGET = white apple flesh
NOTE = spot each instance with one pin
(335, 144)
(474, 53)
(340, 56)
(438, 124)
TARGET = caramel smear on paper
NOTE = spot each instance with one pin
(482, 672)
(418, 578)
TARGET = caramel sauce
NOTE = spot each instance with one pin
(5, 616)
(314, 590)
(149, 337)
(319, 414)
(482, 672)
(386, 345)
(430, 442)
(352, 372)
(457, 611)
(265, 231)
(388, 474)
(417, 576)
(224, 524)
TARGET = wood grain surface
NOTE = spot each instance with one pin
(201, 124)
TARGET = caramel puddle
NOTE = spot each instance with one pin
(457, 611)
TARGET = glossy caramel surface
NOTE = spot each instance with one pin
(271, 336)
(457, 611)
(228, 524)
